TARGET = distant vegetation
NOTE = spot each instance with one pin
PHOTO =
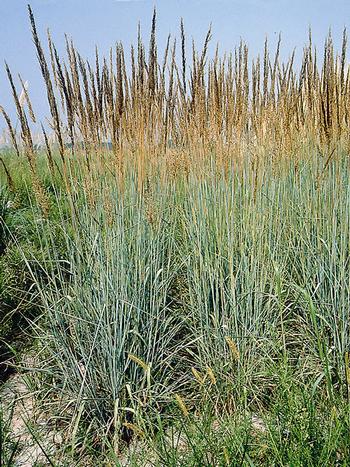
(179, 256)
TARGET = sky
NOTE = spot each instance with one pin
(105, 22)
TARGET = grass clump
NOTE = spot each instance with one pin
(109, 327)
(204, 293)
(187, 244)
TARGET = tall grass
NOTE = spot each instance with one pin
(204, 290)
(112, 329)
(161, 112)
(204, 212)
(267, 274)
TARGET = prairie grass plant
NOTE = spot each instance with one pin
(189, 254)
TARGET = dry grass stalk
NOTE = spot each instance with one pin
(229, 107)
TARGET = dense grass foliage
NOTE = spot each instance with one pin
(181, 254)
(203, 299)
(19, 244)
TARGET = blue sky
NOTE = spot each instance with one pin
(104, 22)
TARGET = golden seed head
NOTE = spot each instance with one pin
(197, 375)
(139, 361)
(182, 405)
(232, 347)
(211, 375)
